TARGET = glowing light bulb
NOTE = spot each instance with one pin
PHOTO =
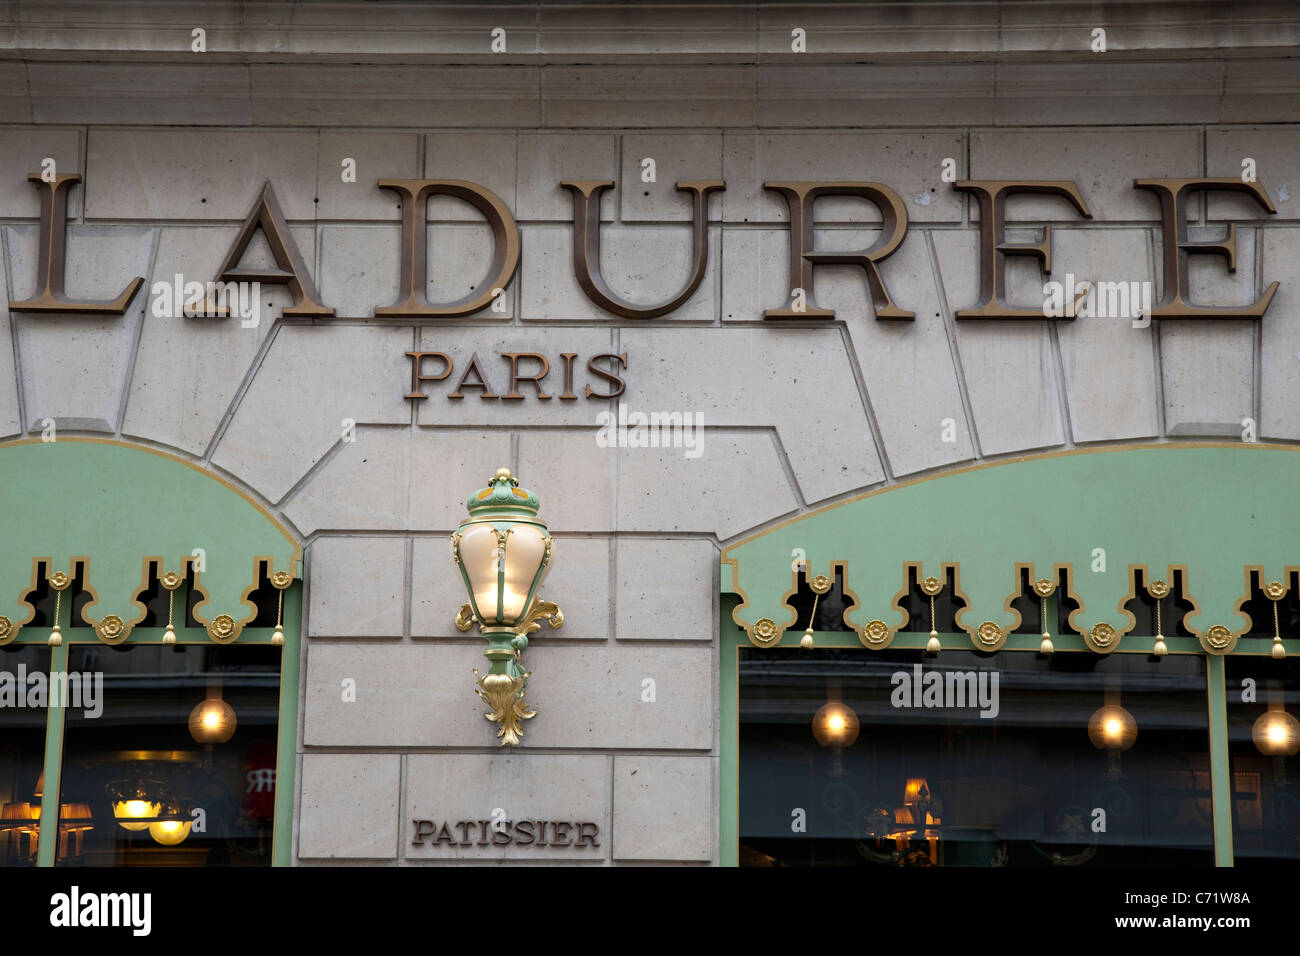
(835, 725)
(1112, 728)
(212, 721)
(170, 832)
(127, 812)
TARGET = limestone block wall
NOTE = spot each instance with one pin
(797, 413)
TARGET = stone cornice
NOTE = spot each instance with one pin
(403, 65)
(572, 33)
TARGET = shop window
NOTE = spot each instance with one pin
(148, 662)
(1263, 699)
(22, 750)
(175, 764)
(1078, 759)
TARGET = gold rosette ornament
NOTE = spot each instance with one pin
(111, 630)
(1219, 639)
(989, 636)
(222, 629)
(874, 634)
(765, 632)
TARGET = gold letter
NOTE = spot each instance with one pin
(1173, 195)
(417, 361)
(586, 248)
(994, 249)
(415, 195)
(802, 197)
(292, 272)
(49, 264)
(516, 378)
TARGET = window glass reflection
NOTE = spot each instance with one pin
(894, 758)
(1263, 700)
(24, 674)
(177, 767)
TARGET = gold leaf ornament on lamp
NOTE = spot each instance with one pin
(503, 552)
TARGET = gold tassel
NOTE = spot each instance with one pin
(278, 637)
(1161, 648)
(56, 638)
(169, 637)
(1047, 647)
(932, 646)
(1278, 651)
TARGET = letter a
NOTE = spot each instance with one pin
(292, 271)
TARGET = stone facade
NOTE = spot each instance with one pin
(175, 146)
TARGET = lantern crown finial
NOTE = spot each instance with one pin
(503, 495)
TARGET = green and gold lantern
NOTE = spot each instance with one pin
(503, 552)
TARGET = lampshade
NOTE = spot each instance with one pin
(1112, 728)
(21, 816)
(76, 816)
(74, 822)
(212, 721)
(835, 725)
(127, 810)
(1276, 733)
(136, 799)
(170, 832)
(503, 551)
(174, 821)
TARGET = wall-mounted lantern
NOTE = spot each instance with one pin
(503, 553)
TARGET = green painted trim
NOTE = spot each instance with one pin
(1163, 508)
(729, 737)
(148, 635)
(949, 641)
(133, 508)
(286, 758)
(47, 847)
(119, 507)
(1220, 770)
